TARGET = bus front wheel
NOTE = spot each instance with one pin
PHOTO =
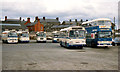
(61, 44)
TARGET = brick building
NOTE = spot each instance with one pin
(41, 24)
(48, 23)
(34, 26)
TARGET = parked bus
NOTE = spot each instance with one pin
(41, 37)
(23, 36)
(99, 32)
(55, 36)
(9, 37)
(73, 37)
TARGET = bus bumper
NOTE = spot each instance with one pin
(24, 41)
(42, 41)
(80, 45)
(10, 42)
(103, 45)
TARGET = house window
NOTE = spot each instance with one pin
(41, 28)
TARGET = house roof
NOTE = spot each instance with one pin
(31, 24)
(49, 20)
(12, 20)
(5, 24)
(10, 26)
(72, 22)
(61, 26)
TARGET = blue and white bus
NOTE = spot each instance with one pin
(99, 32)
(73, 37)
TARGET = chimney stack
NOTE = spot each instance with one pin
(5, 18)
(28, 20)
(57, 18)
(75, 20)
(36, 18)
(81, 20)
(20, 18)
(43, 18)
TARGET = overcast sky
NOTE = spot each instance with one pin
(64, 9)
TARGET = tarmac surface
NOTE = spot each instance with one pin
(50, 56)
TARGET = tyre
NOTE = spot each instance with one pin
(3, 41)
(81, 47)
(61, 44)
(113, 44)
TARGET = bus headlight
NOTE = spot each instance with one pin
(99, 42)
(83, 41)
(110, 42)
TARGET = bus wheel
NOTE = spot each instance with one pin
(106, 46)
(61, 44)
(113, 44)
(3, 41)
(81, 47)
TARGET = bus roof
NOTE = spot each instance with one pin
(72, 27)
(99, 19)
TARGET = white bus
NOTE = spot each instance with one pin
(74, 36)
(41, 37)
(55, 36)
(23, 36)
(9, 37)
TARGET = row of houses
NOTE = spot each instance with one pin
(39, 24)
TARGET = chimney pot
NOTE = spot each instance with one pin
(43, 18)
(75, 20)
(5, 18)
(20, 18)
(36, 18)
(28, 20)
(57, 18)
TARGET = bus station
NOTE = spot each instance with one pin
(90, 45)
